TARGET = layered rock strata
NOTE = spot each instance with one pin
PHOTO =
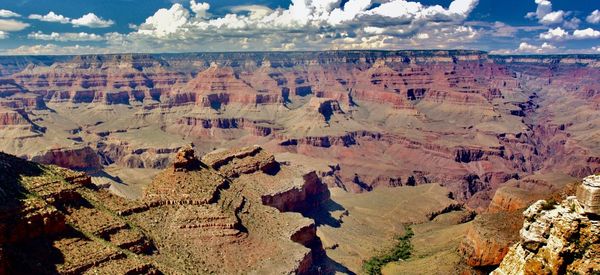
(192, 217)
(555, 239)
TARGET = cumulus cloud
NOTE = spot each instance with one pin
(89, 20)
(200, 9)
(594, 17)
(165, 21)
(555, 17)
(6, 13)
(545, 15)
(51, 17)
(303, 25)
(54, 36)
(588, 33)
(525, 47)
(555, 34)
(351, 10)
(307, 24)
(9, 25)
(52, 49)
(92, 21)
(558, 34)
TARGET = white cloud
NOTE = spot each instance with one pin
(555, 17)
(588, 33)
(554, 34)
(51, 17)
(543, 7)
(52, 49)
(596, 49)
(304, 25)
(351, 10)
(594, 17)
(54, 36)
(374, 30)
(200, 9)
(3, 35)
(89, 20)
(165, 21)
(6, 13)
(93, 21)
(9, 25)
(525, 47)
(545, 15)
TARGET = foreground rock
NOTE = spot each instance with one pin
(191, 219)
(557, 238)
(588, 194)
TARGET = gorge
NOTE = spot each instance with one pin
(453, 141)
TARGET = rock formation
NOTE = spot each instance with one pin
(192, 218)
(465, 119)
(561, 238)
(588, 194)
(185, 160)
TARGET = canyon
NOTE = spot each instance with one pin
(457, 143)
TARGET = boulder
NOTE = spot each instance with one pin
(588, 194)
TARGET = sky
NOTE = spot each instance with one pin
(48, 27)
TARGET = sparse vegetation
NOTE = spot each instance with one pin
(400, 251)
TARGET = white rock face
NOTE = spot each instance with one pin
(588, 194)
(555, 239)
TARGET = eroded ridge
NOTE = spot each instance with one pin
(193, 218)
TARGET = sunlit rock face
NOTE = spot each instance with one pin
(561, 238)
(588, 194)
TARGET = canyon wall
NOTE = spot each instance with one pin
(386, 118)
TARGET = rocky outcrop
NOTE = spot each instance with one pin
(307, 194)
(588, 194)
(185, 160)
(555, 239)
(48, 210)
(489, 239)
(195, 215)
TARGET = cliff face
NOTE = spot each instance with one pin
(461, 118)
(555, 239)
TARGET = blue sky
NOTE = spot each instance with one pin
(107, 26)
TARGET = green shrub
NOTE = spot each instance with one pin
(400, 251)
